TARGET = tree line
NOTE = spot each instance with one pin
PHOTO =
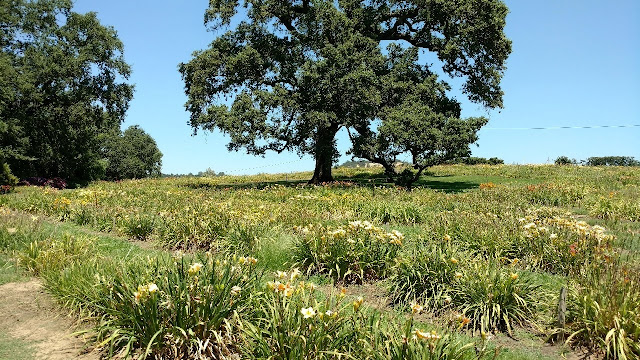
(599, 161)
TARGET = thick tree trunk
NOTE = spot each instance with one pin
(324, 155)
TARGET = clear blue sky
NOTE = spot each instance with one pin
(574, 63)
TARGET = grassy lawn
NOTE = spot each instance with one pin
(12, 349)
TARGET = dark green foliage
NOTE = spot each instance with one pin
(298, 72)
(60, 75)
(612, 161)
(473, 160)
(564, 160)
(6, 177)
(132, 154)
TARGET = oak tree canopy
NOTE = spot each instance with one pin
(296, 72)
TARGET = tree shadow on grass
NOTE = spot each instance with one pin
(244, 186)
(447, 186)
(427, 181)
(430, 181)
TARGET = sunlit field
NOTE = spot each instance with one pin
(469, 264)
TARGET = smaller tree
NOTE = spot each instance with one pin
(565, 160)
(6, 177)
(132, 154)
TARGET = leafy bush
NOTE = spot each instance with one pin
(356, 252)
(473, 160)
(56, 182)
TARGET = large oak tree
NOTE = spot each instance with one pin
(296, 72)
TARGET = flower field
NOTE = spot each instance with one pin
(468, 265)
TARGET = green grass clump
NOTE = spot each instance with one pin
(427, 275)
(606, 318)
(493, 298)
(355, 252)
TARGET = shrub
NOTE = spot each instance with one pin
(473, 160)
(56, 182)
(6, 177)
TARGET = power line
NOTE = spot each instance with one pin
(567, 127)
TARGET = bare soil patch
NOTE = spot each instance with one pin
(29, 314)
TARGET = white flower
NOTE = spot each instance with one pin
(152, 288)
(416, 308)
(295, 274)
(308, 312)
(195, 268)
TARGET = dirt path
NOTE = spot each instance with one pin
(29, 314)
